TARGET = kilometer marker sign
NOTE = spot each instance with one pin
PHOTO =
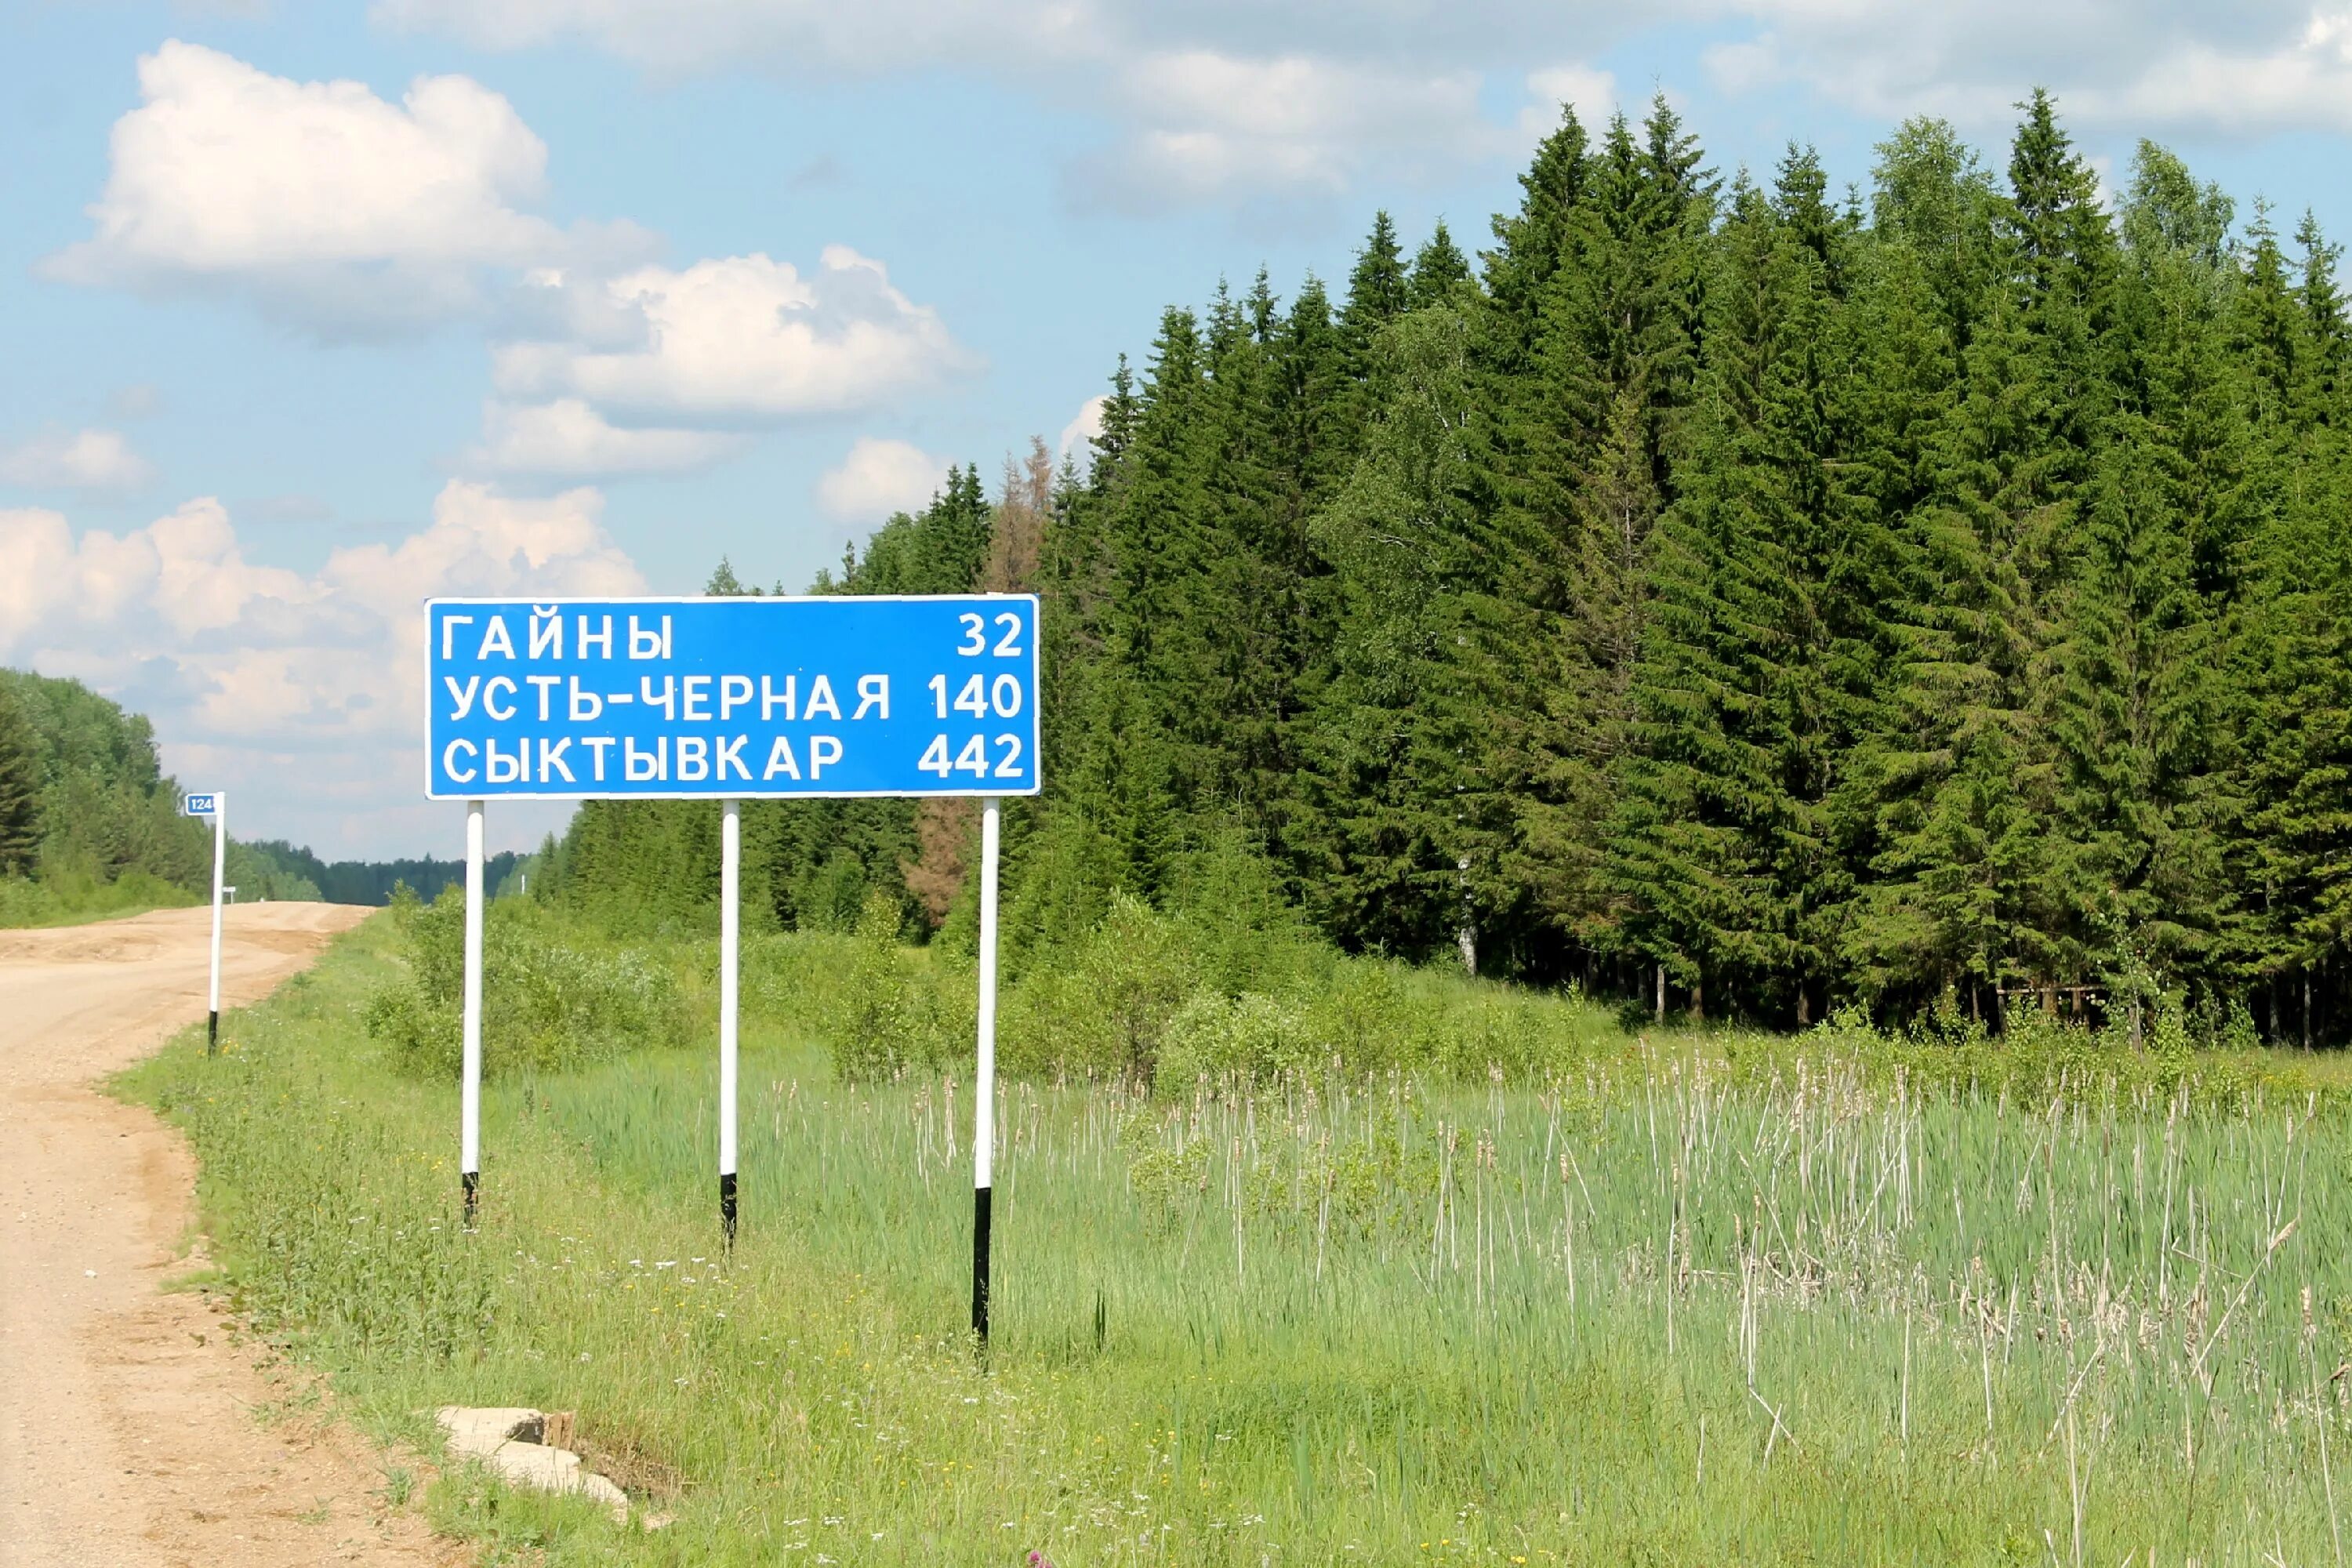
(732, 699)
(215, 805)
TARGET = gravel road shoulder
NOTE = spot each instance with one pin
(133, 1429)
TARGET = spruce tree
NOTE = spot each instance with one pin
(1577, 458)
(1722, 844)
(1439, 271)
(20, 786)
(1956, 806)
(1582, 724)
(2293, 865)
(2145, 729)
(1378, 291)
(1409, 759)
(1531, 244)
(2324, 325)
(2135, 716)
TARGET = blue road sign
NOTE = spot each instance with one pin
(748, 698)
(196, 806)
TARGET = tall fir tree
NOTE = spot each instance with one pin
(1721, 841)
(1380, 289)
(20, 787)
(1579, 454)
(1410, 763)
(1440, 271)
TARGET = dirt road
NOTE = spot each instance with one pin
(128, 1426)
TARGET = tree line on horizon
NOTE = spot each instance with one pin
(86, 806)
(1728, 595)
(83, 794)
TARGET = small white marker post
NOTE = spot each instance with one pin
(730, 878)
(220, 861)
(469, 1094)
(983, 1089)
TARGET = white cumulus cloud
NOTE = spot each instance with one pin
(2200, 66)
(1078, 434)
(1218, 102)
(319, 200)
(325, 205)
(290, 687)
(1211, 125)
(567, 437)
(878, 478)
(77, 460)
(1592, 94)
(742, 338)
(1236, 100)
(816, 36)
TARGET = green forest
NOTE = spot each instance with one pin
(1740, 595)
(90, 823)
(374, 881)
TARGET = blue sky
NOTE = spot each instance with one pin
(314, 310)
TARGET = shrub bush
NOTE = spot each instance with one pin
(550, 1000)
(894, 1008)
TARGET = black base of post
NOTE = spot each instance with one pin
(980, 1262)
(212, 1033)
(473, 1183)
(727, 1205)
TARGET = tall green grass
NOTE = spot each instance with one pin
(73, 898)
(1650, 1304)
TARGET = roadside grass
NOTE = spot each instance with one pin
(1682, 1298)
(197, 1281)
(77, 898)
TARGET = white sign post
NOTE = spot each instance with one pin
(470, 1096)
(214, 805)
(834, 697)
(731, 913)
(983, 1089)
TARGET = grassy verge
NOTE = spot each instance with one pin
(76, 899)
(1662, 1307)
